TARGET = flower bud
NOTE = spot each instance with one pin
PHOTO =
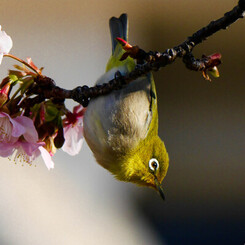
(214, 71)
(4, 93)
(59, 138)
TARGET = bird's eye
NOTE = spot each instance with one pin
(153, 164)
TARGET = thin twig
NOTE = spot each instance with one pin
(151, 61)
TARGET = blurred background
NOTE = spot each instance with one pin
(202, 124)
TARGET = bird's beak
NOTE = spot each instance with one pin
(159, 188)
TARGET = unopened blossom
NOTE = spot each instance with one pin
(6, 44)
(73, 131)
(212, 61)
(4, 93)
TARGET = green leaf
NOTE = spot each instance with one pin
(19, 74)
(36, 108)
(27, 81)
(51, 113)
(21, 68)
(59, 122)
(13, 78)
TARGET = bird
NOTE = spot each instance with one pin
(121, 128)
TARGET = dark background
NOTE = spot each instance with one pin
(203, 126)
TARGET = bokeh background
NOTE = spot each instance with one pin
(202, 124)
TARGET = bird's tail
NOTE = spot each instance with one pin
(118, 28)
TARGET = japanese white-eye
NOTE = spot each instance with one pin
(121, 128)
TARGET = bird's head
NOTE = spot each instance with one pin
(147, 165)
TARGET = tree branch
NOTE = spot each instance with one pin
(148, 61)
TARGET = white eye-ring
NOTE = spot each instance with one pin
(153, 164)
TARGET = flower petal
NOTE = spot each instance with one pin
(6, 149)
(1, 58)
(29, 148)
(30, 133)
(5, 129)
(6, 44)
(18, 129)
(73, 139)
(46, 158)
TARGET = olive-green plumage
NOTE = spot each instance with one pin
(121, 128)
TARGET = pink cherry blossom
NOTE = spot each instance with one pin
(23, 152)
(18, 132)
(6, 44)
(73, 131)
(19, 138)
(10, 128)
